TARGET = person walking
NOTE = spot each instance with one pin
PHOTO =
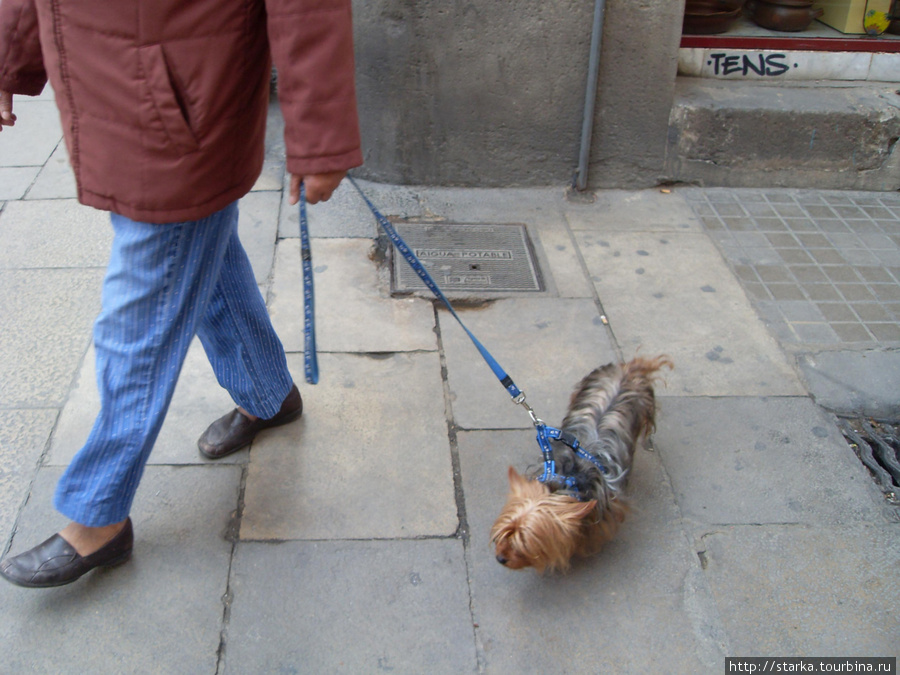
(163, 107)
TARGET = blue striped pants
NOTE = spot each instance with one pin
(165, 284)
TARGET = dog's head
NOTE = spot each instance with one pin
(536, 527)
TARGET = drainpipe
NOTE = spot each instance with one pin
(590, 97)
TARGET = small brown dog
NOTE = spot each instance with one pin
(577, 505)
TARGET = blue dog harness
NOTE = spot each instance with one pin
(544, 435)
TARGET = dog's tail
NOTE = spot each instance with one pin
(616, 395)
(639, 376)
(647, 368)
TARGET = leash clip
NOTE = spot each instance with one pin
(520, 400)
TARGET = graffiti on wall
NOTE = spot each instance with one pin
(765, 64)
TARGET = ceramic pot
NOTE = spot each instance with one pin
(791, 3)
(705, 17)
(783, 17)
(708, 24)
(712, 6)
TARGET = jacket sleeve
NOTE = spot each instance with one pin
(312, 48)
(21, 63)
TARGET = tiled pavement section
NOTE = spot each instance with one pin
(822, 267)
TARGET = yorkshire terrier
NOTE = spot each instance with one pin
(575, 509)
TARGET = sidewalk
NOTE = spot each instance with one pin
(356, 540)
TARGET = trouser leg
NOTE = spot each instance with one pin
(157, 289)
(245, 352)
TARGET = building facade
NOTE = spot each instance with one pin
(493, 94)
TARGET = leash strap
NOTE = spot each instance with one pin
(419, 269)
(310, 359)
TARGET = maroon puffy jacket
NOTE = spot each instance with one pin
(163, 103)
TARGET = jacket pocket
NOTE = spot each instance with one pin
(167, 105)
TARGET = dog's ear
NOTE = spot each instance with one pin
(515, 478)
(518, 484)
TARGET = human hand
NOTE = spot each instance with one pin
(319, 186)
(7, 119)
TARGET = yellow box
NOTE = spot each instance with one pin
(848, 16)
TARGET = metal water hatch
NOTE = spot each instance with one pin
(467, 258)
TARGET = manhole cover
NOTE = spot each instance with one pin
(467, 258)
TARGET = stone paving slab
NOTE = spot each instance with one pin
(67, 302)
(354, 310)
(56, 179)
(546, 345)
(807, 591)
(630, 210)
(35, 136)
(508, 205)
(855, 383)
(23, 438)
(54, 233)
(346, 214)
(749, 460)
(369, 459)
(640, 602)
(350, 607)
(560, 261)
(197, 402)
(273, 176)
(258, 230)
(159, 613)
(672, 293)
(15, 181)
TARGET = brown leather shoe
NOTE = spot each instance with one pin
(235, 430)
(56, 563)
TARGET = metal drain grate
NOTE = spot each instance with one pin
(467, 258)
(878, 447)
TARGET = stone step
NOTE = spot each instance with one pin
(758, 135)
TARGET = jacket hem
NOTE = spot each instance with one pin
(165, 216)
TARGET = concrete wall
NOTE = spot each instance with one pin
(492, 94)
(637, 81)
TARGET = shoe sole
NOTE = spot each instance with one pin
(115, 562)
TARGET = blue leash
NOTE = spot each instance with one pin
(420, 270)
(310, 360)
(544, 433)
